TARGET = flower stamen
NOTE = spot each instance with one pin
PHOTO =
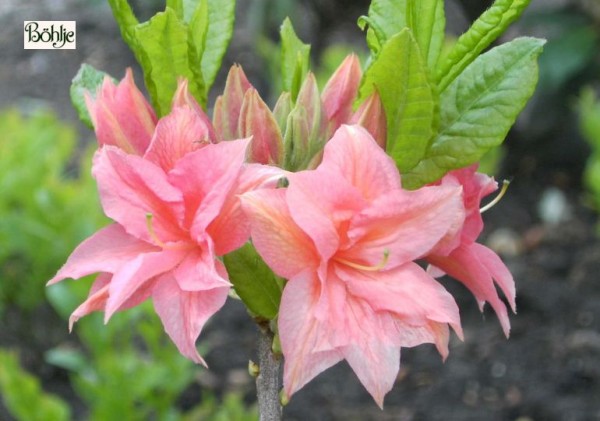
(158, 241)
(503, 190)
(377, 267)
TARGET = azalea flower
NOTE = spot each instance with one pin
(345, 236)
(175, 211)
(121, 115)
(461, 257)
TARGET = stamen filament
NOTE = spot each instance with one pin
(379, 266)
(152, 233)
(503, 190)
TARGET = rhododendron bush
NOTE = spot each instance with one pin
(330, 215)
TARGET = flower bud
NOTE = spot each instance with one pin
(340, 91)
(304, 137)
(121, 115)
(183, 98)
(371, 116)
(257, 120)
(282, 110)
(228, 106)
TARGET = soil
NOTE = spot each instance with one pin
(549, 369)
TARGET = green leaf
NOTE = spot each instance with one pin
(165, 57)
(295, 59)
(198, 28)
(221, 15)
(87, 79)
(489, 26)
(253, 281)
(23, 396)
(386, 19)
(479, 108)
(428, 23)
(126, 21)
(400, 76)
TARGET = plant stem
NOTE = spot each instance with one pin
(268, 383)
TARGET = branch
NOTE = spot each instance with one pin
(268, 382)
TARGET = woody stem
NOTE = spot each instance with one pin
(268, 383)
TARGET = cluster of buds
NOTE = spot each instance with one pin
(292, 136)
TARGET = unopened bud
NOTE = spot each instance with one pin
(228, 106)
(257, 120)
(340, 91)
(371, 116)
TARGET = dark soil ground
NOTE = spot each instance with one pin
(549, 369)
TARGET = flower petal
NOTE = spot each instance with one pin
(133, 276)
(320, 203)
(105, 251)
(184, 313)
(183, 98)
(277, 238)
(130, 188)
(404, 224)
(177, 134)
(465, 264)
(371, 353)
(122, 116)
(200, 271)
(407, 291)
(207, 177)
(231, 228)
(301, 333)
(353, 152)
(95, 301)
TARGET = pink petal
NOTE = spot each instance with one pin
(231, 228)
(372, 356)
(433, 332)
(105, 251)
(207, 177)
(280, 242)
(121, 115)
(184, 313)
(353, 152)
(130, 188)
(200, 271)
(134, 276)
(475, 187)
(300, 333)
(183, 98)
(498, 270)
(177, 134)
(404, 224)
(407, 291)
(95, 301)
(99, 294)
(465, 265)
(320, 203)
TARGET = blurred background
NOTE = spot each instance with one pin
(545, 229)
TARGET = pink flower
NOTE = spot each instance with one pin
(345, 236)
(471, 263)
(175, 211)
(121, 115)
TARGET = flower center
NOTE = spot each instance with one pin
(377, 267)
(158, 241)
(503, 190)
